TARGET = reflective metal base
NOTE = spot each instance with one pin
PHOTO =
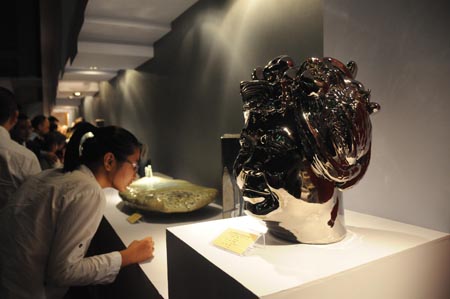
(302, 222)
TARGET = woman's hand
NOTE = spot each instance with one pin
(138, 251)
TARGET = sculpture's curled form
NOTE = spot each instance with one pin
(307, 136)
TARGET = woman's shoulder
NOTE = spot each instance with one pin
(71, 182)
(83, 180)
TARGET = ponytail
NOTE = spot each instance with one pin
(89, 144)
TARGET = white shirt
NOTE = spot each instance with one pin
(16, 164)
(45, 233)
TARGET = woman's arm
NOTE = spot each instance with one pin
(77, 217)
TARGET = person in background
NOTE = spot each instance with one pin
(22, 130)
(54, 142)
(41, 127)
(53, 123)
(46, 231)
(16, 161)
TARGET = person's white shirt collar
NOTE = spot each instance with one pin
(84, 169)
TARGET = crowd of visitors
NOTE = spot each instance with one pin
(52, 202)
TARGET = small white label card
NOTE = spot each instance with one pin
(235, 240)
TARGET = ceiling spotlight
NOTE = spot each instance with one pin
(77, 93)
(93, 68)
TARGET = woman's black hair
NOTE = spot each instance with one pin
(104, 140)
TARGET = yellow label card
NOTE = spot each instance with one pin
(134, 218)
(235, 240)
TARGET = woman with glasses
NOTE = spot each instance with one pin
(47, 226)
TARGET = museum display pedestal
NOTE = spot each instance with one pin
(379, 258)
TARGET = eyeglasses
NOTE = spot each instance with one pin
(134, 165)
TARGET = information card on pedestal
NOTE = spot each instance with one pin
(236, 241)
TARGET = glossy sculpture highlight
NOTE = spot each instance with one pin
(307, 136)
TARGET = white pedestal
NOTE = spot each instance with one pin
(379, 258)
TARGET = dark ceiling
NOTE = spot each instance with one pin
(37, 39)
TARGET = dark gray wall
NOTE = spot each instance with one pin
(403, 52)
(184, 99)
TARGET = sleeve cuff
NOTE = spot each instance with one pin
(116, 261)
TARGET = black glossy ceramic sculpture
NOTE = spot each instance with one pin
(307, 136)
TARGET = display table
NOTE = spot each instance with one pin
(149, 279)
(379, 258)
